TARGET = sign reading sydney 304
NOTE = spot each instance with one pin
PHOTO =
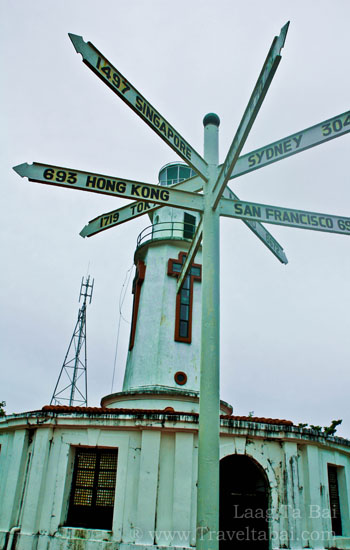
(208, 194)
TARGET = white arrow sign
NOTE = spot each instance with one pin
(267, 73)
(109, 185)
(96, 61)
(295, 143)
(135, 209)
(117, 217)
(285, 216)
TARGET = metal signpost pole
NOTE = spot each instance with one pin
(209, 401)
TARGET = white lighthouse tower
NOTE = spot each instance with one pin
(163, 362)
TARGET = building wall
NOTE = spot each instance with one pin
(155, 501)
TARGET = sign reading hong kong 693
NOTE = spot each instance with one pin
(98, 183)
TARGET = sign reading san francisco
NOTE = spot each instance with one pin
(285, 216)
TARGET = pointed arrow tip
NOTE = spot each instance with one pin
(21, 169)
(284, 31)
(285, 259)
(77, 41)
(280, 40)
(83, 232)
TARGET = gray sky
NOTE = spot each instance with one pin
(284, 337)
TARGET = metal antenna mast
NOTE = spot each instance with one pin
(71, 387)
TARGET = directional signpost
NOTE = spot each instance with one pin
(126, 91)
(109, 185)
(217, 200)
(278, 150)
(139, 208)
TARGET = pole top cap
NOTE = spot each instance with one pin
(211, 118)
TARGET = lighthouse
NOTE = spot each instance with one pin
(163, 363)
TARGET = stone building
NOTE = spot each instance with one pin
(124, 475)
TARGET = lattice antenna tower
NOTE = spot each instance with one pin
(71, 387)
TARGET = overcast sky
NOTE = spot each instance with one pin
(285, 346)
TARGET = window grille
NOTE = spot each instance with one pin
(334, 500)
(93, 488)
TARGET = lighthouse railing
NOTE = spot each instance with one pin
(166, 230)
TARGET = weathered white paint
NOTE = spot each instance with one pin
(158, 399)
(148, 483)
(132, 487)
(61, 487)
(12, 483)
(52, 483)
(313, 483)
(156, 479)
(156, 357)
(292, 493)
(182, 487)
(33, 501)
(165, 501)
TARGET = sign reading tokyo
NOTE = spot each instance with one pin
(117, 217)
(122, 87)
(194, 184)
(285, 216)
(85, 181)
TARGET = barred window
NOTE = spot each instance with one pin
(334, 499)
(189, 225)
(93, 487)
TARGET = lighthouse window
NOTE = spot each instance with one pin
(185, 296)
(183, 315)
(189, 225)
(172, 175)
(180, 378)
(334, 499)
(184, 312)
(185, 172)
(136, 290)
(175, 173)
(93, 488)
(196, 271)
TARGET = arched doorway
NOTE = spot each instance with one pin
(244, 503)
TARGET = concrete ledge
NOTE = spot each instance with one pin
(341, 543)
